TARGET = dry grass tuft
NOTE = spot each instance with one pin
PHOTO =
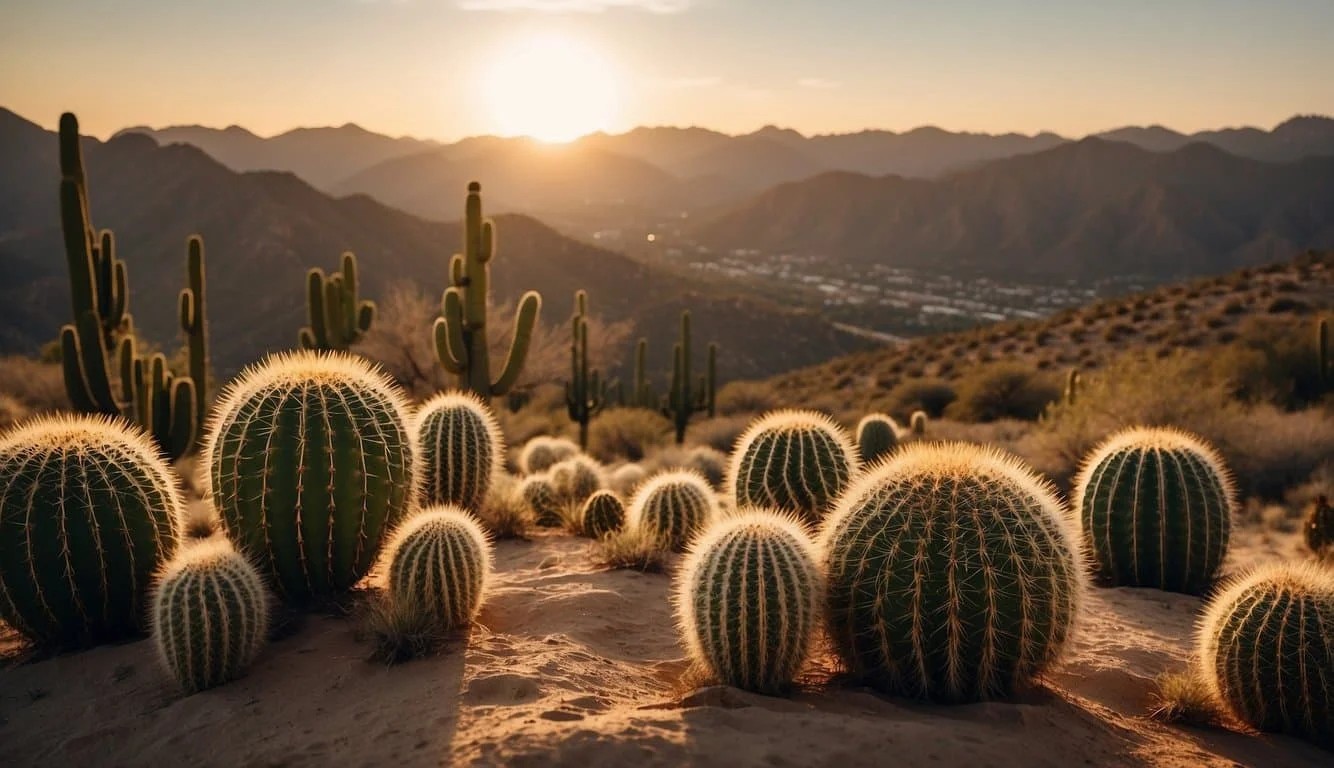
(399, 633)
(504, 514)
(1182, 697)
(632, 548)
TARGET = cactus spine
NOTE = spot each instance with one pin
(460, 445)
(460, 332)
(1266, 645)
(440, 561)
(585, 392)
(210, 615)
(310, 463)
(747, 601)
(952, 573)
(877, 436)
(685, 400)
(543, 452)
(1318, 528)
(338, 319)
(89, 512)
(795, 461)
(603, 513)
(1156, 507)
(540, 495)
(672, 507)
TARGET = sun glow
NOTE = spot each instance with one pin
(550, 87)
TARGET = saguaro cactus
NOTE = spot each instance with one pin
(642, 396)
(460, 332)
(461, 448)
(796, 461)
(88, 512)
(585, 392)
(194, 324)
(953, 574)
(160, 402)
(338, 319)
(1265, 647)
(685, 400)
(210, 615)
(310, 463)
(440, 561)
(1156, 507)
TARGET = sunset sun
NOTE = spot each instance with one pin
(550, 87)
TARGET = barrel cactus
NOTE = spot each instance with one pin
(310, 463)
(540, 496)
(796, 461)
(1318, 528)
(603, 513)
(460, 445)
(673, 506)
(1156, 507)
(210, 615)
(540, 453)
(877, 435)
(952, 572)
(440, 562)
(1266, 645)
(626, 478)
(576, 478)
(88, 513)
(747, 600)
(917, 424)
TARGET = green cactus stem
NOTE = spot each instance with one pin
(687, 397)
(877, 436)
(585, 392)
(338, 318)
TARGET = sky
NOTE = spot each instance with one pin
(451, 68)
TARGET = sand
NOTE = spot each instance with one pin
(571, 664)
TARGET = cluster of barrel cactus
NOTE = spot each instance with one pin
(796, 461)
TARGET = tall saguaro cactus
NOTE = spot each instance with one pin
(338, 318)
(165, 405)
(195, 326)
(460, 333)
(643, 394)
(685, 400)
(585, 392)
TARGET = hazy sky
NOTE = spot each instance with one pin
(449, 68)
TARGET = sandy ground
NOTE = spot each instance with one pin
(573, 665)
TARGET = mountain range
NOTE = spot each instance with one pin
(263, 230)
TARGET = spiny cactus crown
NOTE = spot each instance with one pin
(673, 506)
(460, 444)
(797, 461)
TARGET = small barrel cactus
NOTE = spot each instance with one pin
(917, 424)
(210, 615)
(1156, 507)
(877, 435)
(747, 600)
(673, 506)
(1266, 646)
(542, 452)
(540, 495)
(440, 562)
(626, 478)
(795, 461)
(603, 513)
(576, 478)
(310, 464)
(88, 513)
(952, 572)
(460, 445)
(1319, 525)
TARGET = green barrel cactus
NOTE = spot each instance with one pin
(673, 506)
(877, 436)
(747, 600)
(576, 478)
(1156, 507)
(460, 444)
(1266, 645)
(542, 452)
(540, 495)
(210, 615)
(917, 424)
(953, 574)
(440, 562)
(310, 462)
(603, 513)
(796, 461)
(88, 513)
(1318, 528)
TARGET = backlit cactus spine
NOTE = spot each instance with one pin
(602, 513)
(440, 562)
(747, 601)
(460, 445)
(88, 513)
(952, 574)
(1266, 649)
(686, 399)
(673, 507)
(796, 461)
(338, 318)
(460, 332)
(1156, 508)
(310, 462)
(585, 392)
(877, 436)
(210, 615)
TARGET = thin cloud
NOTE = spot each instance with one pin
(819, 83)
(575, 6)
(681, 83)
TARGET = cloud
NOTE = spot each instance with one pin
(575, 6)
(819, 83)
(681, 83)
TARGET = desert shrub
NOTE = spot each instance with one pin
(39, 387)
(1285, 304)
(745, 397)
(1273, 451)
(627, 433)
(720, 433)
(930, 395)
(12, 410)
(709, 462)
(1001, 391)
(1271, 362)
